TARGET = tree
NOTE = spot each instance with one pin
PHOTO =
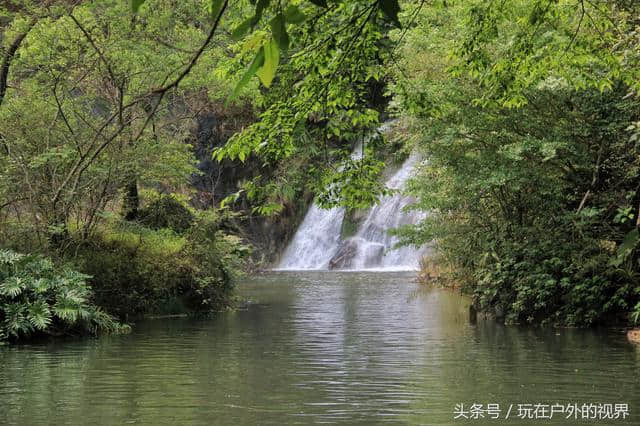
(531, 179)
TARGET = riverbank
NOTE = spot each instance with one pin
(176, 264)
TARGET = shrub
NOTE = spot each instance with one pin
(37, 299)
(166, 212)
(137, 270)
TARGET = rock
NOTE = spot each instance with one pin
(372, 253)
(473, 314)
(344, 256)
(634, 335)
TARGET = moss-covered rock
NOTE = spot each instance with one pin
(352, 220)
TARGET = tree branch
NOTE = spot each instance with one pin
(8, 57)
(163, 90)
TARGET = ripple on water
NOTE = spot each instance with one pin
(315, 348)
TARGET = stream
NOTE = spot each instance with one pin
(319, 347)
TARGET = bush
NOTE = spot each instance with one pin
(140, 271)
(554, 280)
(166, 212)
(534, 209)
(36, 299)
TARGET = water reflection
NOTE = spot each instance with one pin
(316, 347)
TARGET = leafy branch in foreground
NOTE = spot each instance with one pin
(319, 104)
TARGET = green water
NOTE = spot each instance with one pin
(350, 348)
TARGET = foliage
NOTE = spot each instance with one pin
(37, 298)
(532, 179)
(527, 111)
(90, 131)
(100, 104)
(138, 270)
(166, 212)
(317, 109)
(515, 45)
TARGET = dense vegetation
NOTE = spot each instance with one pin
(99, 109)
(526, 110)
(37, 299)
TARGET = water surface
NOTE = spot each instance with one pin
(318, 347)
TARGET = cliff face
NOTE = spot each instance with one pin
(214, 126)
(218, 180)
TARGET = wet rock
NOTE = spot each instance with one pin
(372, 254)
(344, 256)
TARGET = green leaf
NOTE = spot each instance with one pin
(279, 31)
(39, 315)
(294, 15)
(629, 243)
(216, 7)
(135, 5)
(258, 61)
(271, 60)
(256, 39)
(10, 257)
(230, 199)
(321, 3)
(391, 8)
(241, 30)
(248, 24)
(12, 287)
(260, 7)
(40, 285)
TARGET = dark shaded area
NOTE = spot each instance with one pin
(220, 179)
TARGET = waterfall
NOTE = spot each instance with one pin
(316, 240)
(317, 244)
(318, 236)
(373, 247)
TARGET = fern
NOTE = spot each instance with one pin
(39, 315)
(15, 322)
(12, 287)
(40, 285)
(36, 298)
(8, 257)
(66, 312)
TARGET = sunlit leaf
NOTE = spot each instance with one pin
(135, 5)
(271, 60)
(258, 61)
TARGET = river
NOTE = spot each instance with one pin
(320, 347)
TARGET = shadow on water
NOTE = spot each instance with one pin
(317, 347)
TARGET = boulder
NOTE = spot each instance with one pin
(634, 335)
(344, 256)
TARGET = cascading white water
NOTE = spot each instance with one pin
(318, 236)
(374, 247)
(316, 240)
(317, 243)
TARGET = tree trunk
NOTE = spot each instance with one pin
(8, 57)
(131, 202)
